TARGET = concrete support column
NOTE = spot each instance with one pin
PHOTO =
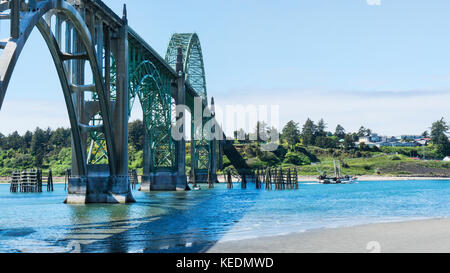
(78, 183)
(119, 188)
(181, 184)
(120, 111)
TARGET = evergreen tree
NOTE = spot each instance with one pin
(308, 132)
(39, 146)
(340, 131)
(261, 131)
(291, 133)
(27, 139)
(2, 139)
(136, 134)
(349, 142)
(320, 128)
(438, 129)
(14, 141)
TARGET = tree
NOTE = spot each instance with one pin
(438, 129)
(325, 142)
(261, 131)
(27, 139)
(320, 128)
(425, 134)
(308, 132)
(291, 133)
(136, 134)
(361, 131)
(240, 135)
(2, 137)
(340, 131)
(443, 146)
(39, 146)
(60, 138)
(349, 142)
(14, 141)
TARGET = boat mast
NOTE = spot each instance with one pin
(335, 170)
(339, 168)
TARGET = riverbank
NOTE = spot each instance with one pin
(428, 236)
(60, 180)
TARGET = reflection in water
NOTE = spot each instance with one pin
(193, 221)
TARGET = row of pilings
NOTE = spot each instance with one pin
(30, 181)
(271, 178)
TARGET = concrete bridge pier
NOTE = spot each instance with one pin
(176, 179)
(103, 183)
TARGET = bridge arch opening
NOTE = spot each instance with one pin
(78, 50)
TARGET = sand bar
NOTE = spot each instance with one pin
(422, 236)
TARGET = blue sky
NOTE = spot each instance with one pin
(383, 66)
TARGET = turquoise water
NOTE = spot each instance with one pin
(193, 221)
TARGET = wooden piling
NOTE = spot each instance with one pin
(66, 179)
(39, 185)
(210, 182)
(258, 185)
(229, 179)
(50, 181)
(244, 181)
(15, 182)
(289, 179)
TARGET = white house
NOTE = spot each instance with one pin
(447, 159)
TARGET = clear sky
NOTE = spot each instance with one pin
(382, 64)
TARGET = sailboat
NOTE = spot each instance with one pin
(338, 178)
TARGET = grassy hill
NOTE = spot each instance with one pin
(313, 160)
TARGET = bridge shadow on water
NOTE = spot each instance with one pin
(182, 222)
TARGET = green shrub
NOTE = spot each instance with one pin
(269, 158)
(297, 159)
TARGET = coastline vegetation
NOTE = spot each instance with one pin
(312, 148)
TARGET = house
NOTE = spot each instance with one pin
(374, 138)
(409, 137)
(447, 159)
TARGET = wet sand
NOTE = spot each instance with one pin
(423, 236)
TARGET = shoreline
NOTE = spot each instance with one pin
(410, 236)
(385, 178)
(363, 178)
(369, 178)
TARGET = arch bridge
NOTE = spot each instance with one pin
(104, 66)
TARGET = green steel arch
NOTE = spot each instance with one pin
(154, 93)
(194, 67)
(195, 76)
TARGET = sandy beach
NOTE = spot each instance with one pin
(423, 236)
